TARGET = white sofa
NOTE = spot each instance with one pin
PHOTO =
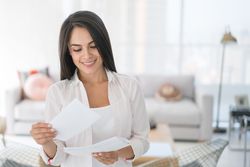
(189, 118)
(22, 113)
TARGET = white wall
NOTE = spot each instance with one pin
(145, 36)
(28, 38)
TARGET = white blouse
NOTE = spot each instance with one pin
(128, 116)
(103, 129)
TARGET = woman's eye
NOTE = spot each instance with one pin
(77, 50)
(93, 46)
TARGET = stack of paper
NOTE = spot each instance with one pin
(77, 117)
(73, 119)
(111, 144)
(159, 150)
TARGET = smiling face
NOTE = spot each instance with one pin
(84, 52)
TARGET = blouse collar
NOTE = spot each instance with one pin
(75, 79)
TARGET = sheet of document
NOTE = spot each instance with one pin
(73, 119)
(111, 144)
(159, 150)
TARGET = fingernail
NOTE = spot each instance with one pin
(99, 154)
(52, 130)
(49, 125)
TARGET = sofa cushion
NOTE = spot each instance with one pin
(30, 110)
(36, 86)
(168, 92)
(23, 76)
(151, 83)
(183, 112)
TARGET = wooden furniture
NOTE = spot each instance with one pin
(2, 128)
(161, 135)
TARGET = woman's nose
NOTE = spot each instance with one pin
(85, 53)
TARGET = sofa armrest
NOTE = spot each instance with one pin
(12, 97)
(205, 104)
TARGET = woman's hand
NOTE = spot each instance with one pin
(42, 133)
(111, 157)
(106, 158)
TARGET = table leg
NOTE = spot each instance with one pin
(230, 128)
(245, 142)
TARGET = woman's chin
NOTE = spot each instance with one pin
(88, 70)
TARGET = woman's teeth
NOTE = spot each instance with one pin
(89, 63)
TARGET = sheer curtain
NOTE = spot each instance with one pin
(181, 37)
(150, 36)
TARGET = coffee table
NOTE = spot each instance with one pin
(161, 144)
(162, 134)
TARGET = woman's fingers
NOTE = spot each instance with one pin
(44, 135)
(42, 132)
(104, 161)
(106, 157)
(41, 125)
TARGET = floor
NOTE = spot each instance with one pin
(228, 158)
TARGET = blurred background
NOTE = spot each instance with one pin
(148, 36)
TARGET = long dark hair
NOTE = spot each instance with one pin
(98, 32)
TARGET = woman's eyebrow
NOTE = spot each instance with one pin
(91, 42)
(80, 44)
(74, 45)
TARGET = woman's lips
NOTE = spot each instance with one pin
(89, 63)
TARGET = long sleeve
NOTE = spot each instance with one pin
(140, 123)
(52, 108)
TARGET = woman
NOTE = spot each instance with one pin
(88, 73)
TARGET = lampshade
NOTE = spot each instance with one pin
(228, 38)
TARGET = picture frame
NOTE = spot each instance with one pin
(241, 101)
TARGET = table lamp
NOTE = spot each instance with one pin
(227, 38)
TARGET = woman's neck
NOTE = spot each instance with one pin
(99, 76)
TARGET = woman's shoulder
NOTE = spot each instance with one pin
(126, 80)
(124, 77)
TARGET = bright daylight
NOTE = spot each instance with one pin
(125, 83)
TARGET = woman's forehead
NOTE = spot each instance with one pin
(80, 35)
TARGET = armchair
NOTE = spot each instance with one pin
(189, 118)
(21, 112)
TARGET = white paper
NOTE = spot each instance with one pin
(159, 150)
(73, 119)
(111, 144)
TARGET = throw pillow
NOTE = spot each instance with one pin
(10, 163)
(23, 155)
(36, 86)
(168, 92)
(23, 76)
(192, 164)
